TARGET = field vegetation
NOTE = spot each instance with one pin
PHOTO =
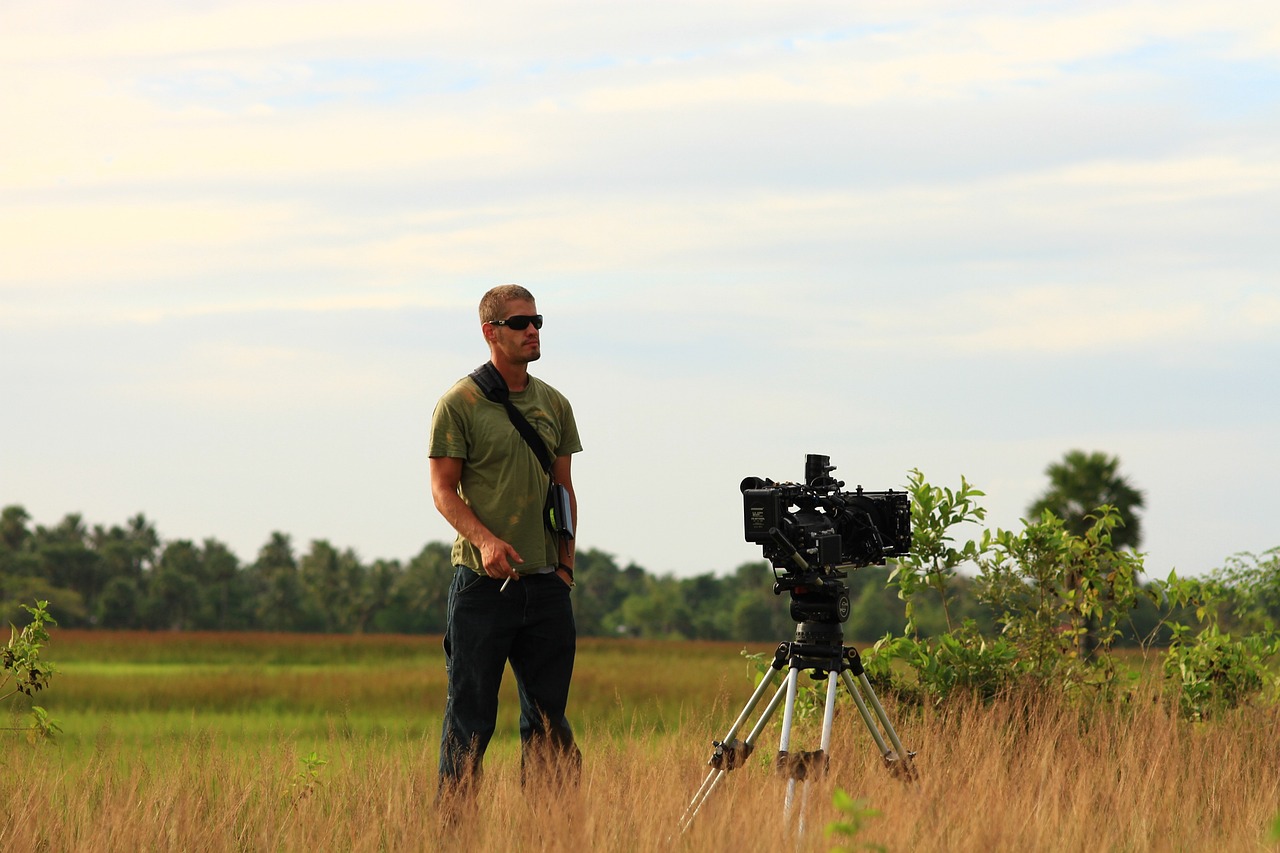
(1056, 700)
(288, 742)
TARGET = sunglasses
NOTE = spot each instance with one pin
(519, 322)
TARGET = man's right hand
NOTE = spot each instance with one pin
(498, 557)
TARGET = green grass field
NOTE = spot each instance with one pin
(202, 741)
(258, 688)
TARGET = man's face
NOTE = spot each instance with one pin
(518, 346)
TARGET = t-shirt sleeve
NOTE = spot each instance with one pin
(569, 439)
(448, 431)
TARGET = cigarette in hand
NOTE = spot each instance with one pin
(503, 588)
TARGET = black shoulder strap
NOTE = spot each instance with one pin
(491, 383)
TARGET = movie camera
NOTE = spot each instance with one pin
(812, 532)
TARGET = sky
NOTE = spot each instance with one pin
(242, 246)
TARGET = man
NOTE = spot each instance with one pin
(509, 600)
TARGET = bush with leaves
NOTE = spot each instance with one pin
(22, 672)
(1062, 598)
(1250, 585)
(1059, 598)
(934, 559)
(307, 780)
(960, 659)
(1208, 670)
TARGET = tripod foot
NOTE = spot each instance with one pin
(730, 755)
(905, 770)
(800, 766)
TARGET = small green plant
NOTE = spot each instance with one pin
(856, 814)
(22, 671)
(308, 779)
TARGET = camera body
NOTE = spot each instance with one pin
(812, 533)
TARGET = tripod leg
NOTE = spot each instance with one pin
(824, 749)
(866, 714)
(788, 713)
(829, 713)
(761, 689)
(898, 759)
(903, 755)
(784, 744)
(800, 767)
(722, 762)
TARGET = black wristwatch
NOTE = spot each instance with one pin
(568, 570)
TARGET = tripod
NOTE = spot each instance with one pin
(818, 648)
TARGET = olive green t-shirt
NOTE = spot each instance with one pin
(502, 481)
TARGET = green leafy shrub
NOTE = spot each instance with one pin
(1250, 584)
(934, 558)
(1208, 670)
(1059, 598)
(962, 661)
(22, 672)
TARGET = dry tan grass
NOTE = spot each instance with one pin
(1006, 777)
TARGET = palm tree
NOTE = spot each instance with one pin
(13, 527)
(1081, 483)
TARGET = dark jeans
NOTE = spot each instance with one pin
(531, 625)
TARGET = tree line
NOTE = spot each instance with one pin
(126, 577)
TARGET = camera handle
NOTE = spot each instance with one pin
(786, 549)
(837, 664)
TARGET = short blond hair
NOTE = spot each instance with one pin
(493, 302)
